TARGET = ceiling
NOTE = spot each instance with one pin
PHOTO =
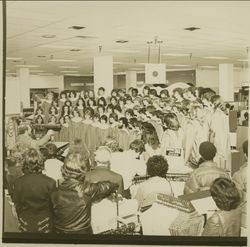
(224, 32)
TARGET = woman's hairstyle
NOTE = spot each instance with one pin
(66, 116)
(78, 145)
(100, 107)
(74, 166)
(53, 107)
(93, 101)
(51, 117)
(113, 91)
(101, 89)
(146, 88)
(171, 121)
(137, 145)
(114, 116)
(89, 111)
(118, 108)
(207, 93)
(165, 92)
(38, 109)
(73, 92)
(68, 103)
(179, 91)
(147, 99)
(110, 107)
(17, 153)
(113, 98)
(102, 99)
(150, 137)
(96, 115)
(63, 93)
(130, 111)
(124, 122)
(83, 102)
(134, 122)
(225, 194)
(157, 165)
(134, 91)
(128, 97)
(63, 110)
(77, 111)
(33, 162)
(104, 117)
(153, 92)
(193, 110)
(39, 117)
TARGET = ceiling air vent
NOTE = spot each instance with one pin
(191, 28)
(121, 41)
(77, 27)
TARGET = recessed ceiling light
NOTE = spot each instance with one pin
(213, 57)
(207, 66)
(48, 36)
(191, 28)
(61, 60)
(36, 70)
(69, 67)
(179, 65)
(41, 56)
(45, 74)
(75, 50)
(27, 66)
(121, 41)
(58, 47)
(176, 54)
(69, 71)
(242, 60)
(77, 27)
(14, 58)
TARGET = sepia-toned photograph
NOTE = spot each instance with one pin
(125, 122)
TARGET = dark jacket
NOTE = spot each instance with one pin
(202, 177)
(72, 204)
(103, 173)
(32, 198)
(224, 224)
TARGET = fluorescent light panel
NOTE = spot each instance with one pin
(219, 58)
(61, 60)
(69, 67)
(27, 66)
(14, 58)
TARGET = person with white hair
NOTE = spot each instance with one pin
(102, 170)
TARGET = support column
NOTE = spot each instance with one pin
(226, 82)
(103, 73)
(131, 79)
(24, 79)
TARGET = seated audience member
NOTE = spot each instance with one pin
(225, 222)
(157, 167)
(240, 177)
(245, 121)
(52, 166)
(202, 177)
(24, 137)
(128, 163)
(74, 196)
(102, 170)
(32, 195)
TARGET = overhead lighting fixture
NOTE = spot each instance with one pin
(85, 37)
(207, 67)
(14, 58)
(242, 60)
(75, 50)
(176, 54)
(123, 51)
(27, 66)
(191, 28)
(218, 58)
(62, 60)
(121, 41)
(41, 56)
(58, 47)
(48, 36)
(77, 27)
(36, 71)
(179, 65)
(69, 67)
(45, 74)
(69, 71)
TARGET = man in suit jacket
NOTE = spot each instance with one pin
(102, 171)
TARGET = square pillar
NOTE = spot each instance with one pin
(131, 79)
(226, 82)
(24, 79)
(103, 73)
